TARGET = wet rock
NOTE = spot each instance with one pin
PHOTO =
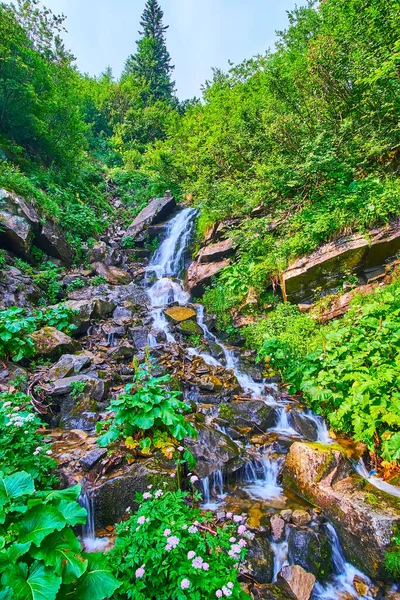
(53, 241)
(361, 585)
(140, 337)
(189, 328)
(97, 252)
(92, 458)
(53, 343)
(68, 364)
(95, 387)
(300, 582)
(259, 561)
(286, 514)
(211, 383)
(112, 497)
(86, 310)
(20, 221)
(278, 528)
(216, 252)
(363, 516)
(158, 209)
(178, 314)
(114, 275)
(199, 275)
(213, 450)
(306, 427)
(17, 289)
(327, 266)
(117, 295)
(254, 414)
(124, 350)
(301, 517)
(113, 329)
(311, 550)
(273, 591)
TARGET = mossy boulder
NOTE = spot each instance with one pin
(52, 343)
(311, 550)
(213, 450)
(177, 314)
(189, 327)
(364, 517)
(253, 414)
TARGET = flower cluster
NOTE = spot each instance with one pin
(179, 550)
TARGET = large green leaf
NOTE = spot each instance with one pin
(6, 594)
(98, 582)
(144, 421)
(39, 522)
(62, 550)
(71, 493)
(72, 512)
(108, 437)
(13, 553)
(15, 485)
(40, 583)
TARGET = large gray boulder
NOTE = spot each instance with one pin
(51, 343)
(21, 226)
(52, 240)
(200, 275)
(364, 517)
(213, 451)
(216, 252)
(17, 289)
(156, 211)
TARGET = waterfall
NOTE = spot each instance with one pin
(283, 424)
(213, 490)
(86, 501)
(322, 430)
(88, 538)
(231, 361)
(280, 550)
(261, 477)
(166, 263)
(341, 583)
(377, 482)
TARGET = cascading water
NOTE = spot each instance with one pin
(89, 540)
(213, 490)
(165, 264)
(260, 475)
(376, 481)
(341, 583)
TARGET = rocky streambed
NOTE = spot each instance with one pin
(320, 524)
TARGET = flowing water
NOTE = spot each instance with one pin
(259, 478)
(90, 542)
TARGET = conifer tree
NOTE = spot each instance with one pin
(152, 61)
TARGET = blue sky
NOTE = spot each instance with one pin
(202, 33)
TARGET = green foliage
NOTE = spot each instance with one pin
(152, 62)
(40, 556)
(128, 242)
(147, 405)
(348, 370)
(76, 284)
(21, 446)
(98, 280)
(24, 267)
(392, 559)
(76, 388)
(151, 556)
(48, 279)
(3, 261)
(17, 323)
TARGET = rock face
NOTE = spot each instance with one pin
(52, 241)
(85, 310)
(114, 275)
(216, 252)
(21, 226)
(213, 450)
(156, 211)
(199, 275)
(363, 516)
(53, 343)
(259, 563)
(328, 265)
(17, 289)
(67, 365)
(273, 591)
(114, 496)
(311, 550)
(180, 313)
(253, 414)
(300, 582)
